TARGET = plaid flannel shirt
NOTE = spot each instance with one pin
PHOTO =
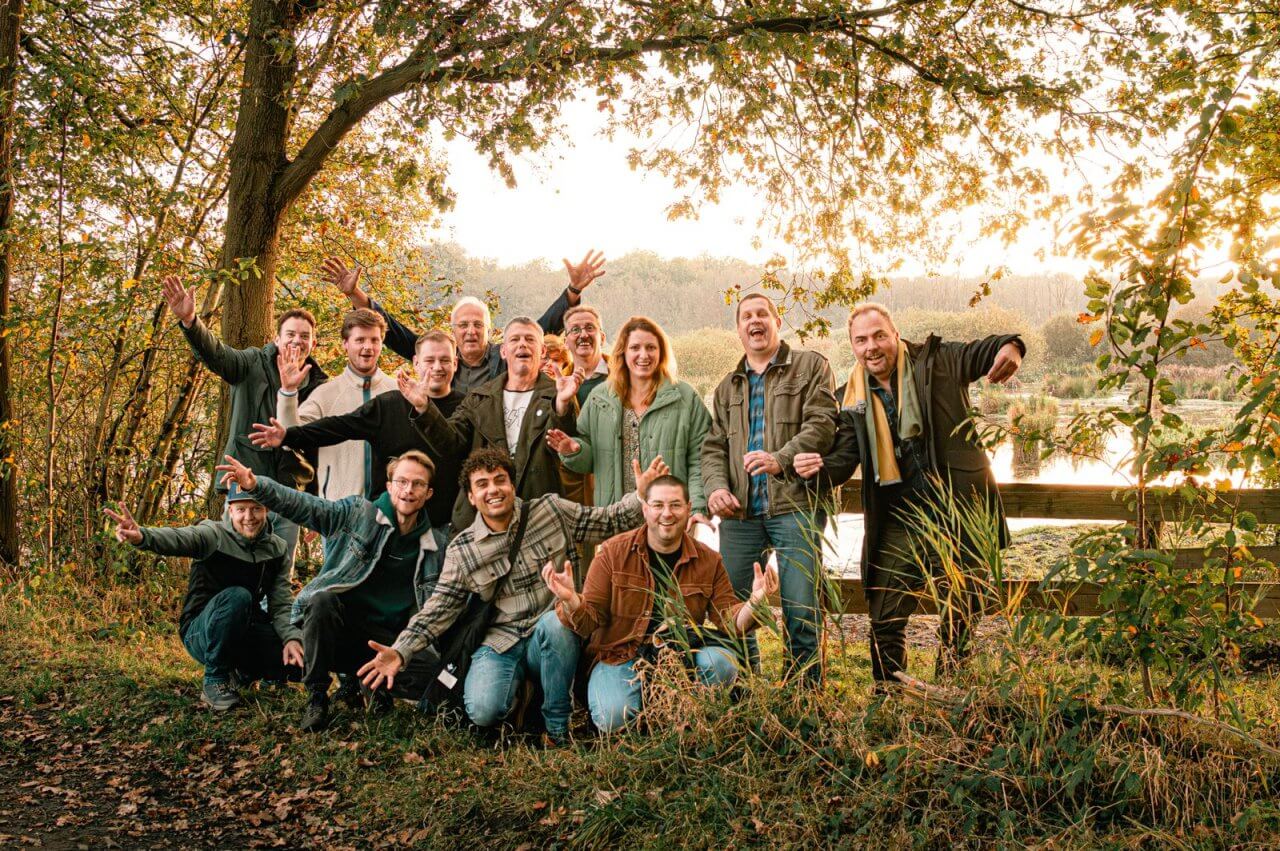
(477, 558)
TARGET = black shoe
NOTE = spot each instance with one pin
(316, 716)
(381, 703)
(349, 693)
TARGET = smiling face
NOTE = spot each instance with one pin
(643, 355)
(875, 343)
(471, 329)
(493, 495)
(758, 327)
(363, 346)
(409, 487)
(435, 360)
(522, 349)
(666, 514)
(296, 336)
(248, 518)
(583, 337)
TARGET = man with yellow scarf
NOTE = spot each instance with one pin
(901, 416)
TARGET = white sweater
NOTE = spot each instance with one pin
(340, 468)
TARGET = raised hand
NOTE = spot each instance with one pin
(645, 477)
(591, 267)
(347, 281)
(412, 388)
(267, 436)
(1007, 361)
(127, 529)
(234, 471)
(561, 442)
(759, 461)
(695, 519)
(293, 368)
(292, 653)
(723, 503)
(807, 464)
(763, 584)
(561, 584)
(566, 387)
(382, 668)
(181, 301)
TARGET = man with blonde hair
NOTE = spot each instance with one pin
(479, 359)
(382, 568)
(902, 420)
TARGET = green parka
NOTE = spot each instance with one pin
(674, 427)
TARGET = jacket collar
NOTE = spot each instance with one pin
(495, 386)
(266, 544)
(480, 529)
(781, 357)
(385, 516)
(638, 543)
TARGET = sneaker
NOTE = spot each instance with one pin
(349, 693)
(316, 716)
(219, 695)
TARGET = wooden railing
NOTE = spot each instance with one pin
(1103, 503)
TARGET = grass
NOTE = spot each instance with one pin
(1028, 763)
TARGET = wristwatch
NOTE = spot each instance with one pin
(574, 290)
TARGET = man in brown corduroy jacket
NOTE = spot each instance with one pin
(651, 587)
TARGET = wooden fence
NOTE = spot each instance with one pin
(1100, 503)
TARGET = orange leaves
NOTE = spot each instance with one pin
(1096, 337)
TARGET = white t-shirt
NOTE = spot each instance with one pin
(514, 405)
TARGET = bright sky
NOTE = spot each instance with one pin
(582, 194)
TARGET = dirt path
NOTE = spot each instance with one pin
(80, 791)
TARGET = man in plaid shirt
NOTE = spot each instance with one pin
(526, 638)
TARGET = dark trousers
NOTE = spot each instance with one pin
(231, 634)
(335, 640)
(896, 587)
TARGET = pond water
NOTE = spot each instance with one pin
(842, 552)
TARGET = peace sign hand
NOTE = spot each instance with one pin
(127, 529)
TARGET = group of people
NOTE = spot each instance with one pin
(539, 499)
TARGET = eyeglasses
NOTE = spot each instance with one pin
(578, 330)
(678, 505)
(413, 485)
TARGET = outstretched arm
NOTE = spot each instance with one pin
(324, 515)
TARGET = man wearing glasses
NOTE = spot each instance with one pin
(584, 337)
(382, 568)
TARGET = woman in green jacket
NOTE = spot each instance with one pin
(641, 411)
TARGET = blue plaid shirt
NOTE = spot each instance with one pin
(759, 487)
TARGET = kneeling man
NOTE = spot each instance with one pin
(237, 562)
(639, 583)
(382, 566)
(525, 639)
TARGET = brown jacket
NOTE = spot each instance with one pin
(617, 601)
(800, 416)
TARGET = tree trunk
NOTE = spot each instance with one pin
(258, 155)
(10, 24)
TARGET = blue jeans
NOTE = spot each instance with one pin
(796, 539)
(614, 693)
(229, 634)
(549, 653)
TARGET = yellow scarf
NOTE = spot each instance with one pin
(885, 464)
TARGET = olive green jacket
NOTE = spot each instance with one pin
(800, 416)
(674, 427)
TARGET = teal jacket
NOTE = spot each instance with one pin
(357, 531)
(254, 380)
(222, 558)
(674, 427)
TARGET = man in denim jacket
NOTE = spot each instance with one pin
(382, 566)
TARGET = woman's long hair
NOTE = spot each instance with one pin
(620, 374)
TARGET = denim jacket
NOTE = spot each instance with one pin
(358, 531)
